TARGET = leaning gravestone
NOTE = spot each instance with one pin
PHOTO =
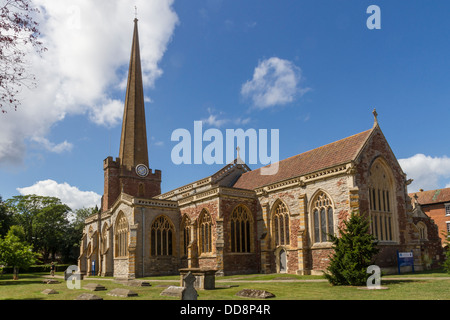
(88, 296)
(94, 287)
(256, 294)
(123, 293)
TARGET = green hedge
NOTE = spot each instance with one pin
(37, 268)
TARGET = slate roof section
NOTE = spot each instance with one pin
(330, 155)
(431, 196)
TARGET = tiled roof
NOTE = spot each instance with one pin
(339, 152)
(432, 196)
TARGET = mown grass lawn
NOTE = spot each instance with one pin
(418, 286)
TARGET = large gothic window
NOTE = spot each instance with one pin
(186, 234)
(381, 202)
(241, 230)
(322, 216)
(162, 237)
(280, 224)
(121, 236)
(205, 229)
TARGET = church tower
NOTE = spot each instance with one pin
(130, 172)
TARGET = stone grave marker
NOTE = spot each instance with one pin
(121, 292)
(189, 293)
(88, 296)
(50, 291)
(173, 291)
(253, 293)
(94, 287)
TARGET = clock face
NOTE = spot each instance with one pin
(142, 170)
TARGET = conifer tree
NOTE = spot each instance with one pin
(354, 250)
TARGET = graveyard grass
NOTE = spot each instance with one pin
(433, 285)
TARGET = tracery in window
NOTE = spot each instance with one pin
(323, 222)
(241, 230)
(381, 202)
(162, 233)
(422, 228)
(280, 224)
(186, 234)
(121, 236)
(205, 228)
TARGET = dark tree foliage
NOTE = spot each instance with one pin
(19, 34)
(446, 263)
(354, 251)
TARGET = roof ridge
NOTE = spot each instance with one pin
(315, 149)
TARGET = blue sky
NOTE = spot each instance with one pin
(326, 72)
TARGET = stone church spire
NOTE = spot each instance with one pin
(133, 141)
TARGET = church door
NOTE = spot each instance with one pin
(282, 259)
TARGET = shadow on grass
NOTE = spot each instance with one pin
(19, 282)
(400, 281)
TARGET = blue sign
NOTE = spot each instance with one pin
(93, 268)
(405, 259)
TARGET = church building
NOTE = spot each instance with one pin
(239, 221)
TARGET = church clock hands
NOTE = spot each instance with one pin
(142, 170)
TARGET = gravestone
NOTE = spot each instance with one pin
(173, 291)
(190, 293)
(94, 287)
(50, 291)
(50, 281)
(123, 293)
(134, 283)
(88, 296)
(204, 278)
(253, 293)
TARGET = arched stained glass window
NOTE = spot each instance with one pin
(322, 218)
(205, 229)
(162, 237)
(186, 234)
(121, 236)
(280, 223)
(241, 230)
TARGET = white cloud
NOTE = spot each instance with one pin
(218, 120)
(52, 147)
(275, 82)
(108, 114)
(89, 44)
(428, 172)
(68, 195)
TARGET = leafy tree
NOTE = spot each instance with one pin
(43, 219)
(51, 226)
(354, 250)
(18, 34)
(5, 218)
(16, 253)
